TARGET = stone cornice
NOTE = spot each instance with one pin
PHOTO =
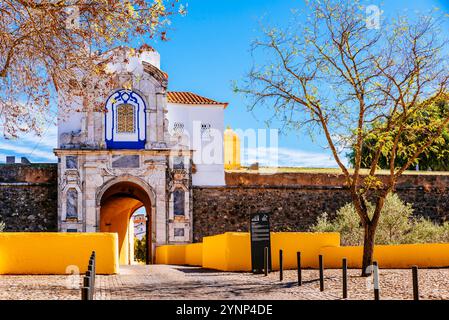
(149, 152)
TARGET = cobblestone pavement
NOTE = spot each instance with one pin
(179, 282)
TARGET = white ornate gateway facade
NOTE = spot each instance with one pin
(146, 148)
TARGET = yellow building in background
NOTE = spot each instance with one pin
(231, 150)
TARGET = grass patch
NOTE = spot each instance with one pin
(329, 171)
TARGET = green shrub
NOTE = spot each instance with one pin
(396, 225)
(140, 249)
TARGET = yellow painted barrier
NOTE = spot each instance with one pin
(232, 251)
(308, 243)
(391, 256)
(194, 254)
(57, 253)
(171, 254)
(228, 252)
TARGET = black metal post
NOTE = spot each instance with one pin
(85, 293)
(281, 267)
(298, 259)
(415, 283)
(320, 262)
(94, 269)
(266, 260)
(345, 278)
(94, 275)
(87, 283)
(376, 280)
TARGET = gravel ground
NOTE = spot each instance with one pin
(177, 282)
(394, 284)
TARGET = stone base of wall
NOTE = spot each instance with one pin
(28, 197)
(225, 209)
(29, 207)
(295, 200)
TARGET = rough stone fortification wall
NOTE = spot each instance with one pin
(295, 200)
(28, 197)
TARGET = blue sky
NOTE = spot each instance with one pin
(207, 50)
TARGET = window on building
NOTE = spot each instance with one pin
(125, 119)
(72, 204)
(178, 202)
(178, 128)
(178, 163)
(205, 131)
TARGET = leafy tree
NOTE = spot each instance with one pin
(140, 249)
(337, 76)
(50, 46)
(397, 225)
(434, 158)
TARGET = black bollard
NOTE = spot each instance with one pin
(345, 278)
(94, 271)
(320, 262)
(87, 283)
(281, 267)
(415, 283)
(298, 259)
(85, 294)
(376, 280)
(266, 260)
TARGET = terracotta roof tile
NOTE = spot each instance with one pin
(191, 98)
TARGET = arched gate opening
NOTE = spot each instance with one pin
(117, 205)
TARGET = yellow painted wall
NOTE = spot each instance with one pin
(231, 149)
(54, 253)
(391, 256)
(194, 254)
(115, 217)
(228, 252)
(308, 243)
(232, 252)
(171, 254)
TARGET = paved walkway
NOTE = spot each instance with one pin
(179, 282)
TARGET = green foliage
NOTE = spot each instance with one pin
(396, 225)
(140, 249)
(417, 129)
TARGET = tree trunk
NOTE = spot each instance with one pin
(368, 249)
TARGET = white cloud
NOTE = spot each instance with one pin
(47, 140)
(30, 152)
(285, 157)
(36, 149)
